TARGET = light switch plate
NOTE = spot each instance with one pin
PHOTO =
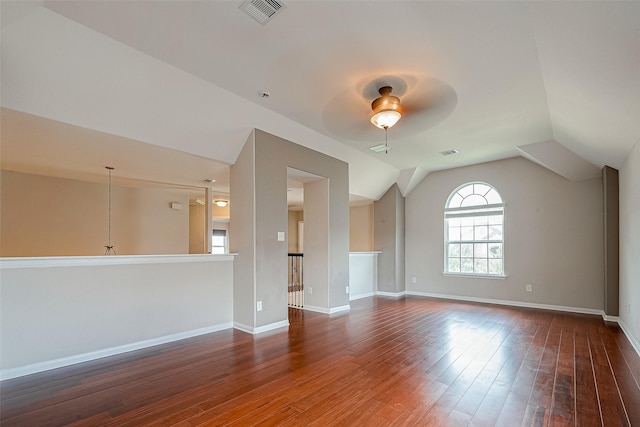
(280, 236)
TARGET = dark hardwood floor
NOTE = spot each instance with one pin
(413, 361)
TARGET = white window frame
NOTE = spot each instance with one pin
(477, 210)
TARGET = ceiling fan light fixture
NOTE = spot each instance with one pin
(386, 109)
(385, 119)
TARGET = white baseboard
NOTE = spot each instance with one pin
(579, 310)
(313, 308)
(360, 296)
(391, 294)
(634, 343)
(112, 351)
(342, 308)
(260, 329)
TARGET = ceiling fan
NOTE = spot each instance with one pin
(420, 101)
(386, 109)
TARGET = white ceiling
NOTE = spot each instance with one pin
(497, 79)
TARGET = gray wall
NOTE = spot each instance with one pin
(630, 244)
(611, 204)
(262, 262)
(242, 234)
(389, 237)
(316, 244)
(553, 236)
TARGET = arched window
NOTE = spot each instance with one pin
(474, 231)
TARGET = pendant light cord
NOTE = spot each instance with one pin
(109, 248)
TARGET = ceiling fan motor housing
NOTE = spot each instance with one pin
(386, 101)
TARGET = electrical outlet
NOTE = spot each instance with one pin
(414, 280)
(347, 289)
(259, 306)
(529, 288)
(310, 290)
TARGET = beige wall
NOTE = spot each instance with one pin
(630, 244)
(197, 240)
(361, 228)
(553, 236)
(293, 218)
(46, 216)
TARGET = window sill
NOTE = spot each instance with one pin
(477, 276)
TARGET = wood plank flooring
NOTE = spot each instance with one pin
(413, 361)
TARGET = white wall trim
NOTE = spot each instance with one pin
(364, 253)
(112, 351)
(607, 318)
(333, 310)
(391, 294)
(580, 310)
(322, 310)
(78, 261)
(635, 344)
(261, 329)
(365, 295)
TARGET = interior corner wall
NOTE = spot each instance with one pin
(629, 178)
(611, 203)
(273, 156)
(552, 229)
(242, 238)
(389, 238)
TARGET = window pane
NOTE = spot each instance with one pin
(495, 250)
(481, 189)
(466, 265)
(493, 197)
(474, 200)
(455, 201)
(495, 232)
(454, 250)
(495, 266)
(466, 222)
(466, 233)
(454, 265)
(454, 234)
(454, 222)
(466, 250)
(217, 250)
(480, 250)
(217, 240)
(480, 265)
(495, 219)
(481, 220)
(481, 232)
(466, 190)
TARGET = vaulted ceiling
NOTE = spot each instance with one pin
(556, 82)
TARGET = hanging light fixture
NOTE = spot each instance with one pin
(386, 109)
(221, 203)
(110, 249)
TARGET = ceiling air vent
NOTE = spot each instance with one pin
(380, 148)
(262, 10)
(449, 152)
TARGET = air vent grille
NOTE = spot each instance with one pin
(262, 10)
(380, 148)
(449, 152)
